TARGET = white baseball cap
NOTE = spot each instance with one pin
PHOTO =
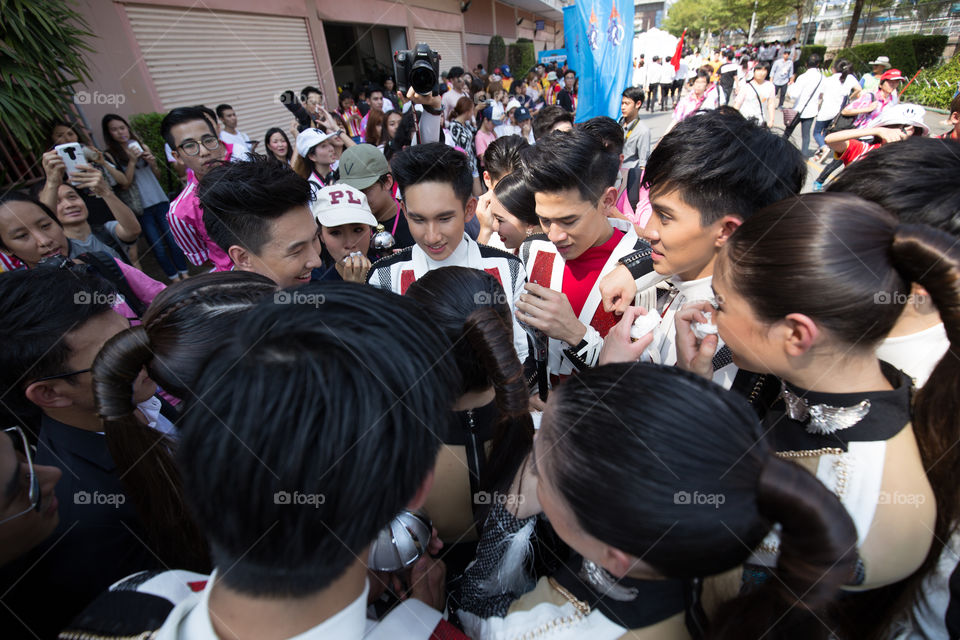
(309, 138)
(512, 104)
(340, 204)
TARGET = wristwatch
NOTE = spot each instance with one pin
(432, 111)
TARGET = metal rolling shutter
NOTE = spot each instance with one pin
(446, 43)
(199, 56)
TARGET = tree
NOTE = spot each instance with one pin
(854, 21)
(40, 62)
(717, 16)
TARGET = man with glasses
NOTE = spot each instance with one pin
(28, 507)
(55, 323)
(196, 145)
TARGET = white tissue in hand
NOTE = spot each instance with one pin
(644, 325)
(702, 329)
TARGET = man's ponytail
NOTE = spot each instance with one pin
(931, 259)
(492, 341)
(818, 543)
(143, 454)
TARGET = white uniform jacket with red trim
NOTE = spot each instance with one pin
(544, 266)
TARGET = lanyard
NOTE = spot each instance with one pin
(396, 221)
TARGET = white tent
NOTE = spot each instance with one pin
(654, 42)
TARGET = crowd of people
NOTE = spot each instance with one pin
(465, 365)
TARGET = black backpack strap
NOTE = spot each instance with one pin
(107, 238)
(106, 266)
(633, 186)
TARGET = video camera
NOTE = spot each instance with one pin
(418, 68)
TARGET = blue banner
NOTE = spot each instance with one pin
(599, 37)
(552, 55)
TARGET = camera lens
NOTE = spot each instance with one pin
(423, 79)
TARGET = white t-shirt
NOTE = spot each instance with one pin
(240, 142)
(754, 103)
(654, 70)
(833, 94)
(804, 92)
(449, 101)
(667, 73)
(916, 354)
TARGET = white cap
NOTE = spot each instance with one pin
(903, 114)
(512, 104)
(309, 138)
(341, 204)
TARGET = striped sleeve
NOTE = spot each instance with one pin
(188, 239)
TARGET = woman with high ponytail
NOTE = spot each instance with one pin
(486, 446)
(178, 332)
(656, 489)
(808, 289)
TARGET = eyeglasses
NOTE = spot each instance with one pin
(63, 375)
(192, 147)
(34, 492)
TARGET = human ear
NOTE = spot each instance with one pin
(609, 198)
(799, 334)
(240, 257)
(46, 395)
(470, 210)
(617, 562)
(725, 227)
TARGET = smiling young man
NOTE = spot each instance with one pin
(705, 177)
(258, 213)
(194, 144)
(436, 185)
(571, 174)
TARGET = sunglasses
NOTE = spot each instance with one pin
(21, 445)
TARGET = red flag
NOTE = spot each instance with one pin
(676, 56)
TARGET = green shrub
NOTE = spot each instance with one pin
(522, 56)
(861, 55)
(928, 50)
(807, 51)
(496, 53)
(900, 51)
(935, 87)
(147, 128)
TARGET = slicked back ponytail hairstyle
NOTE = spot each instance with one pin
(470, 307)
(681, 476)
(178, 332)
